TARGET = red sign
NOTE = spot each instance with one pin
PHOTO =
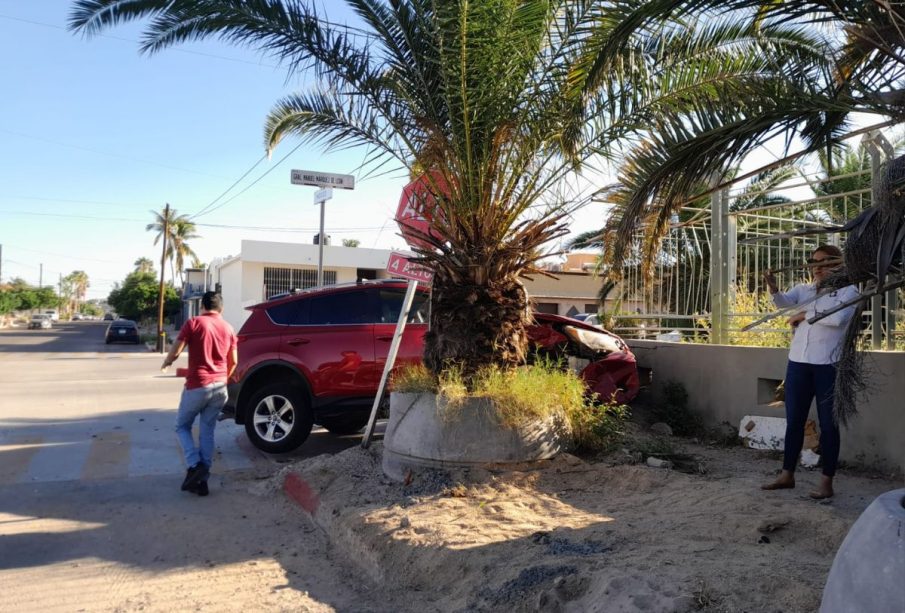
(399, 266)
(418, 208)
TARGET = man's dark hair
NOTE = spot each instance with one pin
(212, 301)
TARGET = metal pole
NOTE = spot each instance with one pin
(320, 249)
(391, 359)
(880, 151)
(40, 275)
(161, 345)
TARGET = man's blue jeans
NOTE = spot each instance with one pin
(804, 383)
(206, 402)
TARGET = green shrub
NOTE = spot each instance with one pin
(533, 392)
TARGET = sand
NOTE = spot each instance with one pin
(601, 534)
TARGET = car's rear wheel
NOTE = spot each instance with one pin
(345, 424)
(278, 418)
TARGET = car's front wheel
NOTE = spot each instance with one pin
(278, 418)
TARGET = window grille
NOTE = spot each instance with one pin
(283, 280)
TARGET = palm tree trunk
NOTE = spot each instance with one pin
(476, 324)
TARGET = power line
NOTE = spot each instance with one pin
(204, 225)
(212, 202)
(135, 42)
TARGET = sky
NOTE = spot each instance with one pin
(95, 135)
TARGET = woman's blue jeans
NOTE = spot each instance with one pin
(206, 403)
(804, 382)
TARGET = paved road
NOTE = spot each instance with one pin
(91, 516)
(73, 408)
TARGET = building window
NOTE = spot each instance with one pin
(283, 280)
(547, 307)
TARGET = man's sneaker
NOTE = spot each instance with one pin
(226, 413)
(194, 475)
(201, 489)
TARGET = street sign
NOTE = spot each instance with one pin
(323, 194)
(399, 266)
(418, 208)
(322, 179)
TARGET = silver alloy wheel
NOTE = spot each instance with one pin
(273, 418)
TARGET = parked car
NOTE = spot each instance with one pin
(77, 317)
(581, 316)
(40, 321)
(109, 317)
(53, 314)
(122, 331)
(316, 356)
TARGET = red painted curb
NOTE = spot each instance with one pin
(299, 491)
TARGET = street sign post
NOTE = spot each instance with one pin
(323, 194)
(326, 181)
(399, 266)
(322, 179)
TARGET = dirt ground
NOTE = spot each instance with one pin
(576, 534)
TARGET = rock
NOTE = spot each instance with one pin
(570, 459)
(763, 540)
(658, 463)
(405, 522)
(661, 429)
(772, 525)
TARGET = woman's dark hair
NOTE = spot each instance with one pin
(831, 250)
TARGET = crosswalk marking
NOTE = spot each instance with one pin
(111, 454)
(17, 457)
(108, 456)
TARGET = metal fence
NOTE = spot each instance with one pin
(707, 282)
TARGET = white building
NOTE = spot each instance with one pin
(264, 269)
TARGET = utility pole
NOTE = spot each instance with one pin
(163, 260)
(1, 263)
(40, 275)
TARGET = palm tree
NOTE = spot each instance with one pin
(180, 231)
(847, 58)
(476, 98)
(77, 282)
(178, 247)
(144, 264)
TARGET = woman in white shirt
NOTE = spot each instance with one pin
(811, 371)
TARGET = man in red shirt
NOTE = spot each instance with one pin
(212, 358)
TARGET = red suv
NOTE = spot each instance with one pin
(316, 356)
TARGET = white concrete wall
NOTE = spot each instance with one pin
(725, 383)
(229, 276)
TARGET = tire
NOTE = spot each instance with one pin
(278, 418)
(345, 424)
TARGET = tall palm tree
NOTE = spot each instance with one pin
(77, 282)
(478, 98)
(179, 231)
(178, 247)
(144, 264)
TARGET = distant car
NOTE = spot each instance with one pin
(53, 314)
(581, 316)
(122, 331)
(77, 317)
(109, 317)
(40, 321)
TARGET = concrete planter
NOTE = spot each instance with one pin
(424, 432)
(868, 573)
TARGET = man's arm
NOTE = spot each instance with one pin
(232, 359)
(175, 350)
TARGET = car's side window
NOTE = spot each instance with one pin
(391, 304)
(355, 307)
(293, 313)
